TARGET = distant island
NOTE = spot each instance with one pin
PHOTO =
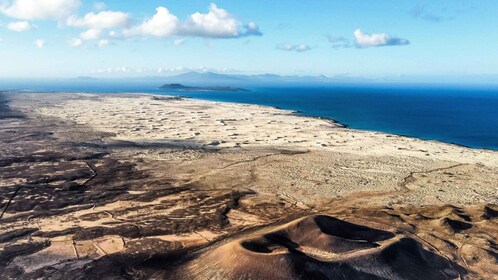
(190, 88)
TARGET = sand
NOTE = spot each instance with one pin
(140, 186)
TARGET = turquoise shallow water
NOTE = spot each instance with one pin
(462, 115)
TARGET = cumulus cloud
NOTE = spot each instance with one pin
(101, 20)
(114, 34)
(103, 43)
(91, 34)
(115, 70)
(40, 43)
(39, 9)
(96, 24)
(296, 48)
(20, 26)
(365, 40)
(76, 42)
(216, 23)
(162, 24)
(252, 29)
(105, 26)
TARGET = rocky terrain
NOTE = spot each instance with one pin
(140, 187)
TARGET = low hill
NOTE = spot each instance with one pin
(190, 88)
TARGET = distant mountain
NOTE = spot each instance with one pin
(210, 79)
(205, 79)
(189, 88)
(215, 79)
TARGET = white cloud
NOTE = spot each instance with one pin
(20, 26)
(1, 40)
(40, 43)
(166, 70)
(285, 47)
(97, 23)
(178, 42)
(91, 34)
(76, 42)
(365, 40)
(103, 43)
(296, 48)
(39, 9)
(204, 69)
(113, 34)
(176, 69)
(121, 69)
(217, 23)
(102, 20)
(162, 24)
(252, 29)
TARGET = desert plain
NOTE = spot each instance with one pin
(136, 186)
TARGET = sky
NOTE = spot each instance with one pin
(125, 38)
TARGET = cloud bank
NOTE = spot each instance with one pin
(179, 69)
(96, 23)
(106, 26)
(102, 20)
(365, 40)
(216, 23)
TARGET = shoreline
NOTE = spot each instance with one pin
(335, 125)
(344, 125)
(293, 112)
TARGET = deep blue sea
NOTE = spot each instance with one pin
(464, 115)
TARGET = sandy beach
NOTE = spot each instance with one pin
(135, 186)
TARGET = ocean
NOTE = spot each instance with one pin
(463, 115)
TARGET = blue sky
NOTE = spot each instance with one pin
(67, 38)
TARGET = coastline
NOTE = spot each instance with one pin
(249, 126)
(294, 112)
(301, 114)
(335, 122)
(97, 183)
